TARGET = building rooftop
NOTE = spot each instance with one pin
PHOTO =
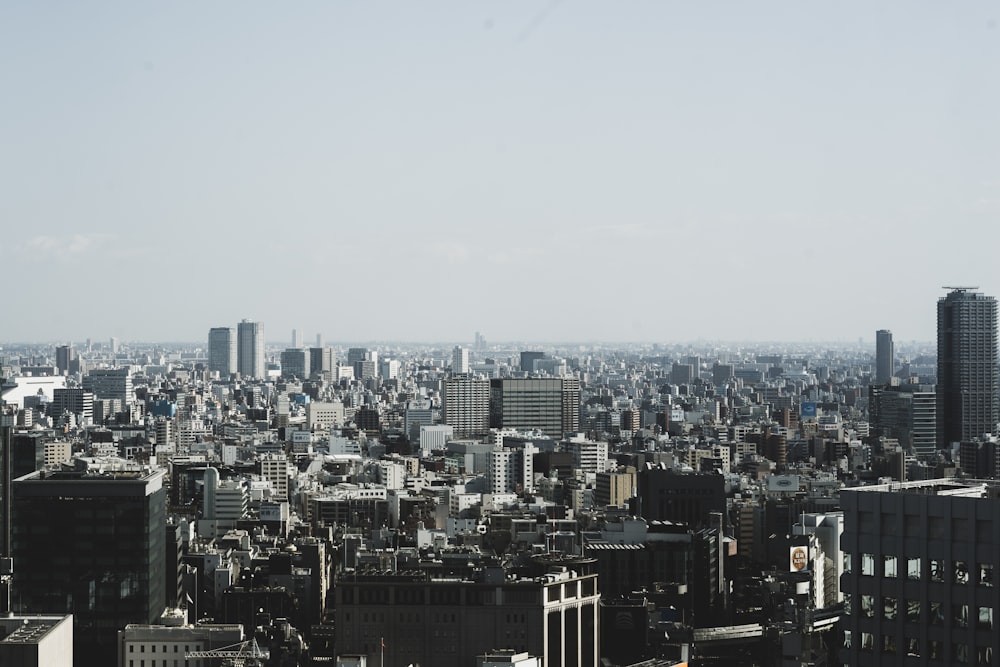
(948, 486)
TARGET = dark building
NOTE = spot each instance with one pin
(550, 405)
(885, 356)
(906, 412)
(91, 544)
(408, 617)
(919, 585)
(681, 498)
(528, 360)
(967, 366)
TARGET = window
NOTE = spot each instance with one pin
(934, 650)
(960, 615)
(867, 565)
(847, 639)
(889, 566)
(985, 574)
(847, 604)
(960, 653)
(913, 568)
(936, 570)
(913, 647)
(847, 561)
(888, 643)
(985, 621)
(913, 611)
(936, 613)
(984, 655)
(961, 572)
(889, 609)
(867, 606)
(867, 641)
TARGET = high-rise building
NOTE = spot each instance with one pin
(885, 359)
(920, 561)
(548, 405)
(66, 359)
(222, 351)
(91, 544)
(296, 338)
(907, 412)
(320, 360)
(459, 360)
(296, 362)
(250, 349)
(111, 383)
(528, 360)
(967, 406)
(467, 406)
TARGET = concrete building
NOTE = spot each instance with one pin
(459, 360)
(166, 645)
(274, 468)
(36, 641)
(919, 583)
(906, 412)
(250, 360)
(296, 362)
(548, 405)
(449, 622)
(967, 402)
(111, 383)
(222, 351)
(75, 401)
(467, 406)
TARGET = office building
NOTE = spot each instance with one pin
(548, 405)
(110, 383)
(6, 478)
(222, 351)
(167, 644)
(66, 360)
(321, 361)
(459, 360)
(885, 357)
(528, 359)
(75, 401)
(906, 412)
(466, 403)
(91, 544)
(919, 583)
(250, 362)
(409, 617)
(967, 366)
(296, 362)
(296, 338)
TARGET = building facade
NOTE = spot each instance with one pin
(967, 406)
(222, 351)
(467, 406)
(885, 356)
(250, 360)
(548, 405)
(919, 583)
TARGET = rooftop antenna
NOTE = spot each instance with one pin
(960, 288)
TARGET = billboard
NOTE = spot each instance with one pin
(807, 410)
(798, 559)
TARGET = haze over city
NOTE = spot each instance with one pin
(540, 171)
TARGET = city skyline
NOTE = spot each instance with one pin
(687, 172)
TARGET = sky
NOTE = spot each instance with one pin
(658, 170)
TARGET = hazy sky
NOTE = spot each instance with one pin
(659, 171)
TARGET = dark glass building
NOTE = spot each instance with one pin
(91, 544)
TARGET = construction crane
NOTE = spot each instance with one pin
(243, 654)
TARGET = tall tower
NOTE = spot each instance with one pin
(885, 360)
(967, 366)
(459, 360)
(222, 350)
(250, 349)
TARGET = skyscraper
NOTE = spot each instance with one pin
(967, 366)
(91, 544)
(548, 405)
(459, 360)
(250, 349)
(222, 351)
(885, 366)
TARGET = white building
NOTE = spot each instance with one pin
(459, 360)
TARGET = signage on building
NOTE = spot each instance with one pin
(807, 409)
(798, 559)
